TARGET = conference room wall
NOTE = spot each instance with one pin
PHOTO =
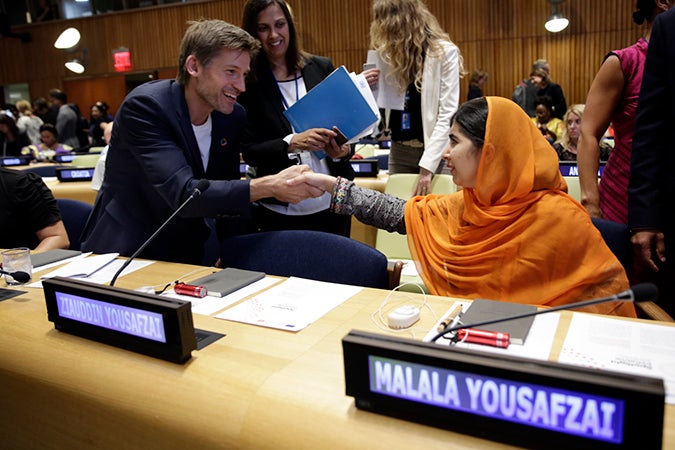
(502, 37)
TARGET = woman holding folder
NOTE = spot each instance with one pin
(506, 234)
(282, 74)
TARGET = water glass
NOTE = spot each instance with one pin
(16, 260)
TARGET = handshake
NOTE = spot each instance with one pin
(297, 183)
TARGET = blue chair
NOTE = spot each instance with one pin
(308, 254)
(74, 214)
(617, 238)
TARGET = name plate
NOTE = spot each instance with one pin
(9, 161)
(365, 167)
(64, 157)
(143, 323)
(518, 401)
(75, 174)
(570, 169)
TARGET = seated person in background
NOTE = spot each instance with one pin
(49, 147)
(99, 170)
(505, 236)
(171, 134)
(550, 127)
(29, 214)
(566, 147)
(11, 140)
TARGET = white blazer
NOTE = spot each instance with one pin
(440, 100)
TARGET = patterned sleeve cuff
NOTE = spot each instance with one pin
(338, 200)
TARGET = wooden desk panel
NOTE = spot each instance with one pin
(255, 388)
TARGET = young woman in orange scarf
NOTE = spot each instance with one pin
(512, 233)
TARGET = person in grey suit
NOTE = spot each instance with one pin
(170, 134)
(282, 74)
(651, 190)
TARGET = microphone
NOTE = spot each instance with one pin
(642, 292)
(202, 185)
(21, 277)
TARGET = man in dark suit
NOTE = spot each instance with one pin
(651, 192)
(168, 135)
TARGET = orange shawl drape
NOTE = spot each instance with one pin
(517, 236)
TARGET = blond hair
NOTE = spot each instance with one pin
(576, 109)
(404, 32)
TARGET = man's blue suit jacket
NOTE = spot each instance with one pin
(153, 165)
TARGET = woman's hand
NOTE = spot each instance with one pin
(311, 140)
(372, 76)
(423, 186)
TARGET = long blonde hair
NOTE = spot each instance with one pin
(404, 32)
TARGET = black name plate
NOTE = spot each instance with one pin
(143, 323)
(519, 401)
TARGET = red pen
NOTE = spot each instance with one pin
(191, 290)
(484, 337)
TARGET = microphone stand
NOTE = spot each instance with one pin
(196, 192)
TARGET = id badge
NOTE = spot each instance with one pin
(405, 121)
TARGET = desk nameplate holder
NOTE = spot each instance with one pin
(365, 167)
(142, 323)
(546, 404)
(65, 174)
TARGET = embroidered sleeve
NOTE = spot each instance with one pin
(370, 207)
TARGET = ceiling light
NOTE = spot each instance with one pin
(556, 21)
(68, 39)
(75, 65)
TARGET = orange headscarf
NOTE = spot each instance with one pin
(517, 236)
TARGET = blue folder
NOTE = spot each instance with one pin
(336, 101)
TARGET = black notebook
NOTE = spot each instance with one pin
(226, 281)
(50, 256)
(484, 310)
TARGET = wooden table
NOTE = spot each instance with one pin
(255, 388)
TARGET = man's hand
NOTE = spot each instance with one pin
(318, 180)
(277, 186)
(294, 193)
(648, 244)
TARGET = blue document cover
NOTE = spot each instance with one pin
(336, 101)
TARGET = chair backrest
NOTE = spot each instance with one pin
(74, 214)
(86, 160)
(573, 188)
(401, 185)
(307, 254)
